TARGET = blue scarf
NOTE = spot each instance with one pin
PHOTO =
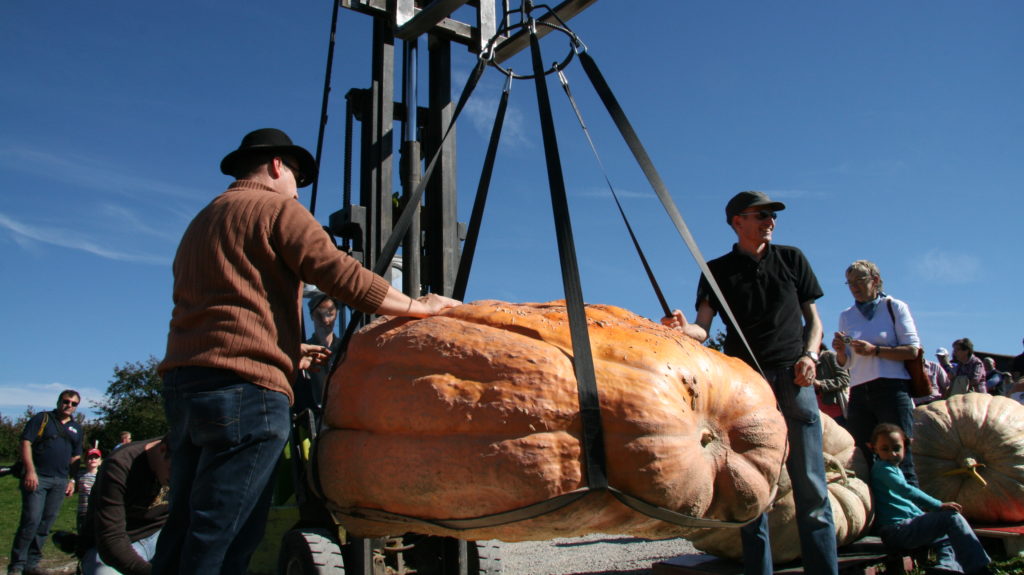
(867, 308)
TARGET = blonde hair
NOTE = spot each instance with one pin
(867, 268)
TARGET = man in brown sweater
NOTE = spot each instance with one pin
(235, 346)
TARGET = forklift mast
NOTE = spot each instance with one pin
(431, 248)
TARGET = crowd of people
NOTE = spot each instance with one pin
(237, 362)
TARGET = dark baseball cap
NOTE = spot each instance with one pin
(315, 300)
(750, 199)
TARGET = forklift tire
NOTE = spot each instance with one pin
(310, 552)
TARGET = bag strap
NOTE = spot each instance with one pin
(895, 330)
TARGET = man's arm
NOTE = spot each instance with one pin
(698, 330)
(30, 480)
(804, 368)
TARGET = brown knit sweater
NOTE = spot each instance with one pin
(238, 280)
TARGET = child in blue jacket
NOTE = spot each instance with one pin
(900, 517)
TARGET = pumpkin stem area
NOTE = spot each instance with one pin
(706, 437)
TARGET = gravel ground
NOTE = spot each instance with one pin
(590, 555)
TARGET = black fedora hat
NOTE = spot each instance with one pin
(273, 142)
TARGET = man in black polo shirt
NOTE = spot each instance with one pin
(50, 443)
(771, 291)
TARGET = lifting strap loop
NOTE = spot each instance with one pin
(583, 361)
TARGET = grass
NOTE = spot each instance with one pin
(10, 512)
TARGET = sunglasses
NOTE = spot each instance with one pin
(69, 402)
(93, 457)
(762, 215)
(294, 168)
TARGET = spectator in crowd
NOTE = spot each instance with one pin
(51, 443)
(967, 374)
(902, 521)
(127, 510)
(323, 312)
(938, 380)
(771, 290)
(832, 384)
(234, 348)
(1016, 390)
(125, 439)
(996, 381)
(86, 478)
(876, 334)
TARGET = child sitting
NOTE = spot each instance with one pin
(901, 522)
(84, 484)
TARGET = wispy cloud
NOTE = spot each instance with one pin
(87, 172)
(73, 240)
(132, 222)
(18, 396)
(948, 267)
(483, 106)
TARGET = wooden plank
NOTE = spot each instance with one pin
(861, 557)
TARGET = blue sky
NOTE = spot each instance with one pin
(893, 131)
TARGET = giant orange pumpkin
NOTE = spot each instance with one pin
(846, 472)
(475, 412)
(970, 449)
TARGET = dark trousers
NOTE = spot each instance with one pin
(877, 401)
(226, 436)
(39, 509)
(806, 467)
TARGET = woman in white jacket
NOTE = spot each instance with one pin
(876, 334)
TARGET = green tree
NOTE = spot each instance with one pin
(717, 341)
(132, 403)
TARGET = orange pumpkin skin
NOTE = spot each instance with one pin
(973, 426)
(846, 471)
(475, 412)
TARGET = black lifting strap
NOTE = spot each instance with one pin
(644, 160)
(583, 361)
(629, 228)
(401, 227)
(477, 215)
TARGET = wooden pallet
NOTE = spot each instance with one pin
(1011, 536)
(861, 558)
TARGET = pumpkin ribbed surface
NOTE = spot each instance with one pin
(970, 449)
(475, 412)
(846, 472)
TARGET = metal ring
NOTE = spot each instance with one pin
(574, 42)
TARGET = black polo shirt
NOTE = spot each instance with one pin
(765, 296)
(53, 449)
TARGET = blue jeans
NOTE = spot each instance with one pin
(226, 435)
(39, 509)
(93, 565)
(956, 546)
(882, 401)
(806, 467)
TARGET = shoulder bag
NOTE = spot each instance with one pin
(920, 385)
